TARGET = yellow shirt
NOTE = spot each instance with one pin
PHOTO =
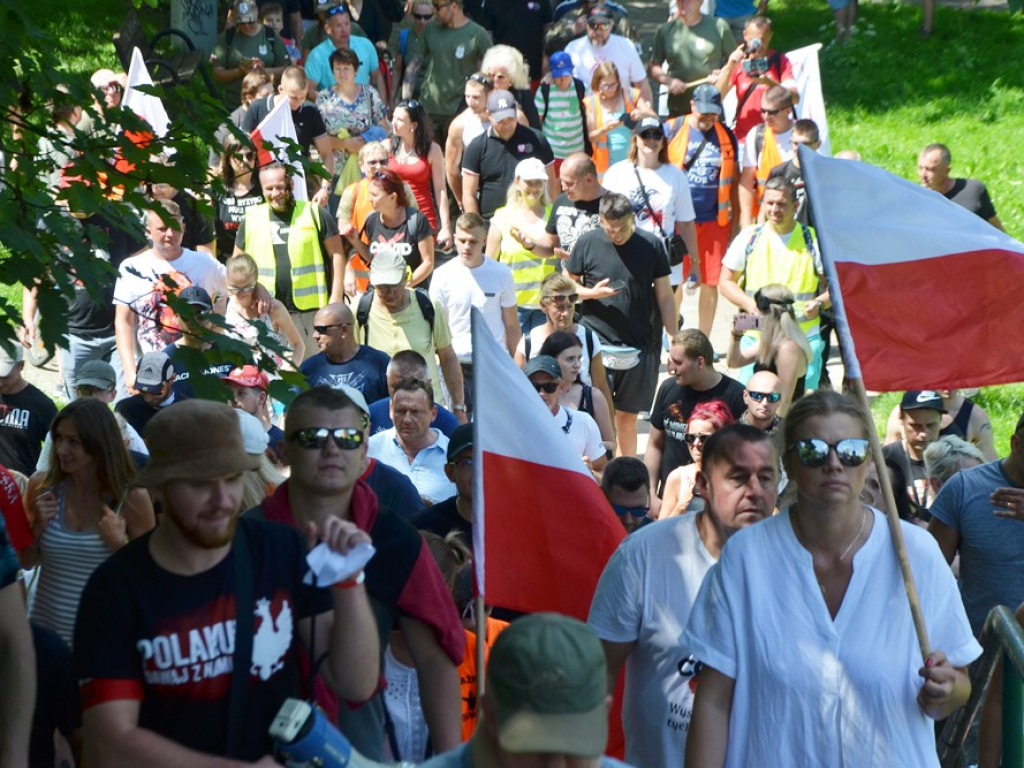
(408, 329)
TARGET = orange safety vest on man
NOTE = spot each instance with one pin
(468, 673)
(361, 208)
(595, 119)
(768, 159)
(726, 174)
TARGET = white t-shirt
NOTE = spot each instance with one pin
(750, 154)
(667, 189)
(537, 339)
(582, 431)
(645, 595)
(140, 285)
(458, 288)
(618, 50)
(837, 692)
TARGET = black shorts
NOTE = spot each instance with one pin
(633, 389)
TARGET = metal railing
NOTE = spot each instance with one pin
(1003, 638)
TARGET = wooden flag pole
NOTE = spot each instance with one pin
(895, 530)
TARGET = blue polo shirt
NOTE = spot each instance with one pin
(427, 469)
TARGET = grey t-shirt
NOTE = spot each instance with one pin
(991, 548)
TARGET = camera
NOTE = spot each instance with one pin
(755, 67)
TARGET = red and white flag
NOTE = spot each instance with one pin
(542, 529)
(927, 294)
(145, 105)
(267, 138)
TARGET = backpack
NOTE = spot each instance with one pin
(545, 91)
(363, 311)
(811, 248)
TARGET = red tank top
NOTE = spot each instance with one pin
(418, 176)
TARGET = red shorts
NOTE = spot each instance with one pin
(712, 242)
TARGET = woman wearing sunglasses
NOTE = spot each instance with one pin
(243, 317)
(678, 496)
(782, 347)
(240, 191)
(803, 628)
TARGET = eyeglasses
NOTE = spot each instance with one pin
(423, 16)
(337, 9)
(243, 154)
(550, 387)
(346, 438)
(622, 511)
(483, 80)
(242, 288)
(771, 397)
(599, 26)
(322, 329)
(462, 463)
(652, 135)
(770, 112)
(560, 301)
(609, 86)
(110, 88)
(692, 438)
(851, 452)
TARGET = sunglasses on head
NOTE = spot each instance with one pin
(692, 438)
(337, 9)
(622, 511)
(771, 397)
(563, 300)
(346, 438)
(851, 452)
(550, 387)
(322, 329)
(483, 80)
(409, 105)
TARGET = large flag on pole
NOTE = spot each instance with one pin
(811, 106)
(542, 529)
(145, 105)
(925, 292)
(267, 138)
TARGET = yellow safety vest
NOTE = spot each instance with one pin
(528, 268)
(792, 266)
(309, 273)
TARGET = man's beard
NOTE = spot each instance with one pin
(197, 536)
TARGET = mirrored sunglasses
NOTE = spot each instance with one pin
(851, 452)
(315, 438)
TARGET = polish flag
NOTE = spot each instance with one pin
(267, 138)
(811, 106)
(925, 291)
(145, 105)
(542, 529)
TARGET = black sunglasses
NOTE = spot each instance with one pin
(423, 16)
(770, 111)
(346, 438)
(482, 80)
(771, 397)
(322, 329)
(692, 438)
(851, 452)
(622, 511)
(546, 386)
(652, 135)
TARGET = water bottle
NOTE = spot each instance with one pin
(691, 285)
(304, 738)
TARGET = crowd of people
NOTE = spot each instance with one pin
(200, 540)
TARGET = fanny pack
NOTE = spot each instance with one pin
(618, 358)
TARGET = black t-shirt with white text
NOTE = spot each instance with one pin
(168, 640)
(569, 219)
(24, 420)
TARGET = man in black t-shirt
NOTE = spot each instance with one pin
(695, 380)
(575, 211)
(456, 513)
(933, 171)
(161, 624)
(342, 359)
(25, 413)
(623, 278)
(489, 162)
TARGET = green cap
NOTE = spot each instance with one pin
(548, 678)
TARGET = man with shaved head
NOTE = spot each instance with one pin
(762, 396)
(342, 359)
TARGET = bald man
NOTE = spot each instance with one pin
(342, 359)
(763, 396)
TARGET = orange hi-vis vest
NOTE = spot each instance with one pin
(595, 114)
(361, 208)
(769, 158)
(726, 174)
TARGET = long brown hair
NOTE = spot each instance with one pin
(101, 438)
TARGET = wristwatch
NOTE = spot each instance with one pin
(461, 408)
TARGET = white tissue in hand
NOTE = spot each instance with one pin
(330, 567)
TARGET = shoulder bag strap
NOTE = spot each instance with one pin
(643, 191)
(689, 163)
(242, 660)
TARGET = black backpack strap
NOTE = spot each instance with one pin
(363, 313)
(545, 92)
(527, 345)
(242, 659)
(426, 307)
(581, 93)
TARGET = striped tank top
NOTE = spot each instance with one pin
(67, 559)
